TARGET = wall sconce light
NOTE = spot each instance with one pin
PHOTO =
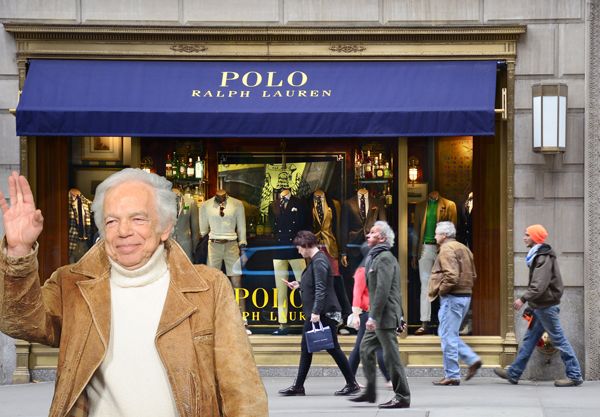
(549, 118)
(413, 173)
(147, 164)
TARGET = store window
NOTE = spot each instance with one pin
(462, 172)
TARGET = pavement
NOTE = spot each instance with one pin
(479, 397)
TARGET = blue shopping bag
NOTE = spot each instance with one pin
(319, 338)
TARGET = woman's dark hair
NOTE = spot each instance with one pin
(305, 239)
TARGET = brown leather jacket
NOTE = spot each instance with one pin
(200, 337)
(453, 271)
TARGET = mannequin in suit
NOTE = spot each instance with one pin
(187, 231)
(80, 225)
(428, 213)
(288, 215)
(324, 221)
(354, 229)
(225, 217)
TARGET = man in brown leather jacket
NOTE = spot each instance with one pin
(141, 331)
(452, 278)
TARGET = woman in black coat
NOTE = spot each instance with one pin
(319, 303)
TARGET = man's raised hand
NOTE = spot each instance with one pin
(22, 222)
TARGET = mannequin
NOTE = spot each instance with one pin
(424, 248)
(354, 230)
(187, 231)
(288, 215)
(465, 223)
(80, 225)
(326, 229)
(225, 217)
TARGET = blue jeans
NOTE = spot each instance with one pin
(452, 312)
(545, 319)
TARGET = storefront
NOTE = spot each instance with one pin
(263, 110)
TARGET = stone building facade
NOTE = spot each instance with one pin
(561, 44)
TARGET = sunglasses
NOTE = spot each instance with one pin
(221, 211)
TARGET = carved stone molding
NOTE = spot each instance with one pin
(592, 276)
(347, 48)
(188, 48)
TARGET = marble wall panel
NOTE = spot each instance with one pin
(575, 139)
(563, 185)
(9, 89)
(56, 11)
(8, 359)
(331, 11)
(532, 10)
(9, 141)
(536, 50)
(8, 53)
(525, 184)
(433, 11)
(524, 143)
(571, 55)
(119, 11)
(232, 11)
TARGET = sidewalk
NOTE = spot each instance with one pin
(480, 397)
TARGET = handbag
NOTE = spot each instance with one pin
(319, 339)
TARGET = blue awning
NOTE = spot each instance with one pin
(257, 99)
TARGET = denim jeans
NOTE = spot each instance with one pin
(452, 311)
(545, 319)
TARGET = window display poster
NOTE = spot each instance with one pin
(455, 167)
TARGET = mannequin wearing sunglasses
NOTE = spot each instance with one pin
(224, 220)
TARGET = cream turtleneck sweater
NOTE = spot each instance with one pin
(132, 380)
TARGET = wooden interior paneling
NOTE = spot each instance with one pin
(486, 235)
(52, 172)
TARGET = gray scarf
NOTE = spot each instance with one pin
(531, 255)
(375, 250)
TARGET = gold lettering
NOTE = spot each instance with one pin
(245, 315)
(293, 315)
(290, 91)
(291, 79)
(237, 294)
(232, 93)
(265, 94)
(255, 315)
(292, 300)
(225, 78)
(208, 94)
(301, 93)
(254, 297)
(277, 94)
(314, 93)
(245, 94)
(275, 299)
(273, 317)
(245, 79)
(219, 94)
(270, 80)
(302, 317)
(328, 92)
(196, 93)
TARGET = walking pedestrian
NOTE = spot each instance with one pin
(319, 303)
(543, 296)
(452, 278)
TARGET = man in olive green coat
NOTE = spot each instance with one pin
(382, 274)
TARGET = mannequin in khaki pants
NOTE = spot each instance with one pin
(424, 248)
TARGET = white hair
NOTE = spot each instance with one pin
(386, 231)
(166, 200)
(447, 228)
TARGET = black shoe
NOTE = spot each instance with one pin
(394, 403)
(349, 389)
(292, 391)
(281, 332)
(363, 399)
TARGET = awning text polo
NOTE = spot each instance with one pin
(257, 99)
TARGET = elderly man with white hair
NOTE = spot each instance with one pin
(141, 331)
(452, 279)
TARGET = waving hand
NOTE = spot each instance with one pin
(22, 222)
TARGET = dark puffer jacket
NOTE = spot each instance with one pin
(545, 283)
